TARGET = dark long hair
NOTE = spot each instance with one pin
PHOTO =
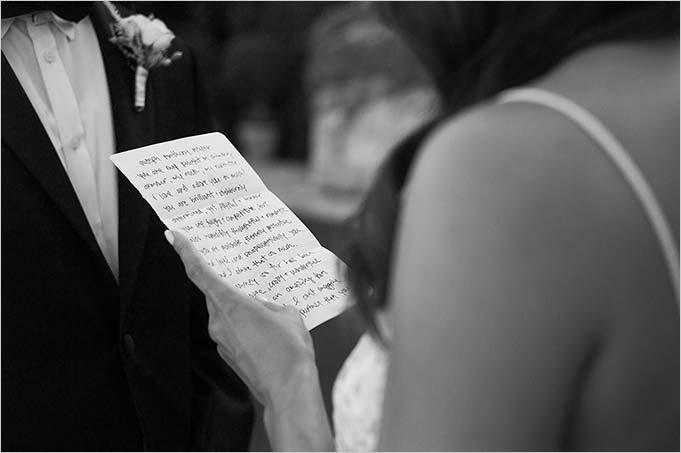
(472, 51)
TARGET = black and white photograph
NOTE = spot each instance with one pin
(340, 226)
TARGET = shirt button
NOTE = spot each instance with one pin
(128, 345)
(74, 143)
(49, 56)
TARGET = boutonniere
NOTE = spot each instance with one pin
(146, 41)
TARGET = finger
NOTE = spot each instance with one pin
(270, 305)
(195, 266)
(217, 290)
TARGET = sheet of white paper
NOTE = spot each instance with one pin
(203, 187)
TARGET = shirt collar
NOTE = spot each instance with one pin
(42, 17)
(6, 24)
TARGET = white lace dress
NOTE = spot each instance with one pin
(358, 396)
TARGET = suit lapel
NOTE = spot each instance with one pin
(132, 130)
(25, 135)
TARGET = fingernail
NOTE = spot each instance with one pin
(169, 237)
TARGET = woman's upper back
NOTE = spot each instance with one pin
(532, 307)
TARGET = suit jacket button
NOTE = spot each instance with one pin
(128, 345)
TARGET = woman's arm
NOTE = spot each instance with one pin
(502, 248)
(297, 420)
(270, 349)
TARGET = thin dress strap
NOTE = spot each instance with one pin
(619, 156)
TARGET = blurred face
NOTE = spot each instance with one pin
(442, 35)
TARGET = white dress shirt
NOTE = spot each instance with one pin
(59, 65)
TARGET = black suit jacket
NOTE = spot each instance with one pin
(89, 364)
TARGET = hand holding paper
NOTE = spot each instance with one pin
(204, 188)
(270, 349)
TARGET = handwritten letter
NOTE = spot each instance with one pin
(203, 187)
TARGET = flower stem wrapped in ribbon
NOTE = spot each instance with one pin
(146, 41)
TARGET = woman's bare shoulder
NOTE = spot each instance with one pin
(532, 174)
(520, 244)
(522, 189)
(480, 282)
(526, 154)
(528, 136)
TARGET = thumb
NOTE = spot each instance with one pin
(198, 271)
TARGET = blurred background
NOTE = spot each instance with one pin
(314, 95)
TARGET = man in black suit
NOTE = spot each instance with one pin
(101, 351)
